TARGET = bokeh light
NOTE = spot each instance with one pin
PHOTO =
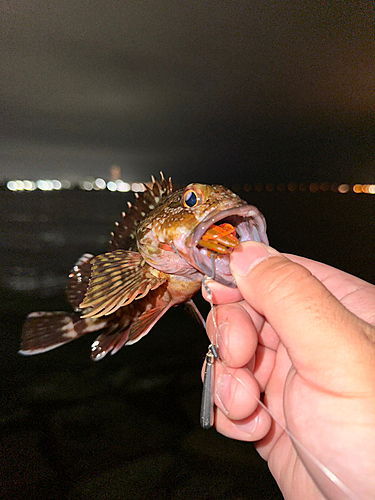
(12, 186)
(137, 187)
(29, 185)
(314, 187)
(100, 184)
(44, 185)
(122, 186)
(111, 186)
(343, 188)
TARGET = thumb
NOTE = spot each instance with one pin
(323, 339)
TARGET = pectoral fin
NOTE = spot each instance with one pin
(118, 278)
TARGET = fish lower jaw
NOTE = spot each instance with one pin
(205, 258)
(247, 223)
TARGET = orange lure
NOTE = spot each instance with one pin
(221, 239)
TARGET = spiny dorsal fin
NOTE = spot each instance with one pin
(118, 278)
(124, 234)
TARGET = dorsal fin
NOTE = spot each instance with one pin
(124, 234)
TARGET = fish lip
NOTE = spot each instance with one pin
(253, 228)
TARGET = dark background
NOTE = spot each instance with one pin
(220, 92)
(264, 90)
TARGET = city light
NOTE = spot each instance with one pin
(111, 186)
(99, 183)
(12, 185)
(119, 185)
(87, 185)
(343, 188)
(44, 185)
(122, 186)
(137, 187)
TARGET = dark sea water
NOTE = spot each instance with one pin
(128, 426)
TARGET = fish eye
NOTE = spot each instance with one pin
(193, 195)
(190, 199)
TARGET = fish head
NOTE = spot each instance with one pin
(178, 236)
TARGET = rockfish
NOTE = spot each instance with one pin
(159, 253)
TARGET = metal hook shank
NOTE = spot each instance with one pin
(207, 405)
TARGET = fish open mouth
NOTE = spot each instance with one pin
(219, 233)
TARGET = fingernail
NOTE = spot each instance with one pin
(249, 426)
(225, 390)
(248, 255)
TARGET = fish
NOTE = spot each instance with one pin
(160, 251)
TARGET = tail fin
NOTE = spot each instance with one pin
(44, 331)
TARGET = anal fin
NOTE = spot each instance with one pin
(109, 341)
(145, 322)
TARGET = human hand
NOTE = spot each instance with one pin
(301, 333)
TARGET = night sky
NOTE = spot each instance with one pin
(214, 91)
